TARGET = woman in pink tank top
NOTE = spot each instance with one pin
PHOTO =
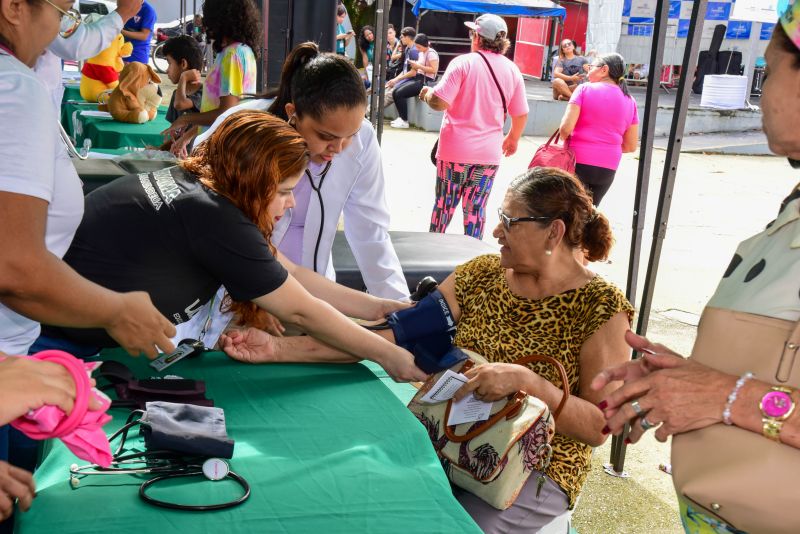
(601, 122)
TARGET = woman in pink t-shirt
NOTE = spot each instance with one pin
(603, 122)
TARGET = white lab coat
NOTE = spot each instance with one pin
(354, 187)
(89, 39)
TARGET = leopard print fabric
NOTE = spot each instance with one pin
(503, 327)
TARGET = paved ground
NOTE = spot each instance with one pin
(718, 201)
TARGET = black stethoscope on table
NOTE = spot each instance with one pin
(165, 465)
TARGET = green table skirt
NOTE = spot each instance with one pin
(109, 133)
(326, 448)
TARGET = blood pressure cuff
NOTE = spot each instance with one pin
(427, 331)
(136, 393)
(186, 428)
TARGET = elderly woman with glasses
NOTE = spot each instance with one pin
(535, 297)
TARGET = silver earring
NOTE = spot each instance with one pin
(548, 252)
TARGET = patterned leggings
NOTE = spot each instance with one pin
(466, 183)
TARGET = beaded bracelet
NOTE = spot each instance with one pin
(726, 413)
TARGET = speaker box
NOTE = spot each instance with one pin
(729, 62)
(290, 22)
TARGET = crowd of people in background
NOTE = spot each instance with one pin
(255, 166)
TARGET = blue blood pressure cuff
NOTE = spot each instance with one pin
(427, 331)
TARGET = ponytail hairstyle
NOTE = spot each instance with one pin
(317, 83)
(245, 160)
(616, 70)
(556, 194)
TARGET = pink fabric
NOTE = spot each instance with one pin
(81, 430)
(606, 114)
(472, 127)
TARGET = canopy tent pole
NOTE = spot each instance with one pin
(668, 177)
(379, 66)
(548, 62)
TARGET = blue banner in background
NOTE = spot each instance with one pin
(683, 28)
(739, 29)
(626, 8)
(766, 30)
(640, 30)
(674, 9)
(718, 11)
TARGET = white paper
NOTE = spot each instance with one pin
(91, 113)
(468, 410)
(445, 387)
(643, 8)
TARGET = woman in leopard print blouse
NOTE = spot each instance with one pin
(536, 296)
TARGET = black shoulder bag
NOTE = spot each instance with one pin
(502, 97)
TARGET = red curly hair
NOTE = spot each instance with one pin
(245, 160)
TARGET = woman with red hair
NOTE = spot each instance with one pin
(180, 233)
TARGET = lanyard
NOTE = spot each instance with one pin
(7, 50)
(207, 324)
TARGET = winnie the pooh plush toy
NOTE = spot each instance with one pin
(136, 98)
(101, 73)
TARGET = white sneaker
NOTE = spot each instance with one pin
(399, 123)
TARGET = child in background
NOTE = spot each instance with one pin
(234, 26)
(184, 60)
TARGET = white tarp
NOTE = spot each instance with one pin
(604, 26)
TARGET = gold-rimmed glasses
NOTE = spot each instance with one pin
(70, 20)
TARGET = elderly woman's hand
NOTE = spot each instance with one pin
(250, 346)
(493, 381)
(679, 394)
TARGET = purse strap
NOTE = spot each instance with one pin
(789, 353)
(514, 403)
(502, 96)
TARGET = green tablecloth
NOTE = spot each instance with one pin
(326, 448)
(108, 133)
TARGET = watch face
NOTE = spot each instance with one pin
(776, 403)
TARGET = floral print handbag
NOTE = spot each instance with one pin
(494, 458)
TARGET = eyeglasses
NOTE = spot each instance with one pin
(70, 20)
(508, 221)
(597, 66)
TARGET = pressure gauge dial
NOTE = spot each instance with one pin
(215, 469)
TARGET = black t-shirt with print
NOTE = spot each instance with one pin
(167, 234)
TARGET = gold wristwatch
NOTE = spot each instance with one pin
(776, 406)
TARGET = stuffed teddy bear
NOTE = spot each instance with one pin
(136, 98)
(101, 73)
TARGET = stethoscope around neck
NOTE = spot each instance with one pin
(318, 189)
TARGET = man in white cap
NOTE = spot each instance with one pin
(476, 93)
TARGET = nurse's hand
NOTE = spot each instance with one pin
(139, 327)
(400, 366)
(15, 484)
(27, 384)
